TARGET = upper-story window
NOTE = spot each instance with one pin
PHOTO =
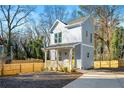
(58, 37)
(91, 38)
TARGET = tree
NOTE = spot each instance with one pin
(74, 15)
(1, 28)
(118, 42)
(14, 16)
(48, 17)
(108, 19)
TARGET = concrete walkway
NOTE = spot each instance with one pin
(98, 80)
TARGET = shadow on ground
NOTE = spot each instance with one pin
(38, 80)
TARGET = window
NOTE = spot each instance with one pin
(58, 37)
(88, 55)
(55, 38)
(91, 38)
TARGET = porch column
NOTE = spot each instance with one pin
(45, 59)
(70, 59)
(57, 58)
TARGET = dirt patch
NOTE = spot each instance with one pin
(39, 80)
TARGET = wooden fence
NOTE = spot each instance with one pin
(109, 64)
(14, 69)
(28, 61)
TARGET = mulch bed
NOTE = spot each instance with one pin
(39, 80)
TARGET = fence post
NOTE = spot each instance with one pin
(33, 67)
(2, 70)
(20, 68)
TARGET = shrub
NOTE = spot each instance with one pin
(51, 69)
(61, 70)
(65, 69)
(47, 68)
(42, 69)
(56, 69)
(73, 70)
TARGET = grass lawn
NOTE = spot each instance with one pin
(38, 80)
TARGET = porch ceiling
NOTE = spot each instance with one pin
(60, 46)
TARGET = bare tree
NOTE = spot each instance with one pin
(50, 14)
(14, 17)
(108, 19)
(1, 28)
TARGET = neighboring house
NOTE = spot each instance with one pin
(72, 43)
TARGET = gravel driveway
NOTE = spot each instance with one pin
(38, 80)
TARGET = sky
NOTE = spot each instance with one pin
(69, 7)
(40, 9)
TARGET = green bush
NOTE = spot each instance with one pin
(47, 68)
(73, 70)
(56, 69)
(51, 69)
(61, 70)
(65, 69)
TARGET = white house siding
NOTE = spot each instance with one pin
(52, 54)
(76, 34)
(87, 62)
(68, 36)
(64, 56)
(72, 35)
(77, 51)
(87, 26)
(87, 45)
(59, 28)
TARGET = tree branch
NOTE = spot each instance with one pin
(15, 14)
(4, 13)
(21, 20)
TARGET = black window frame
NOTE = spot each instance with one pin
(58, 37)
(91, 38)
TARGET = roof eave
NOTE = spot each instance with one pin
(73, 25)
(50, 30)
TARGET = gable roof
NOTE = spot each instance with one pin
(73, 23)
(55, 24)
(77, 20)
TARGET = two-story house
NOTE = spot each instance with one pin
(72, 44)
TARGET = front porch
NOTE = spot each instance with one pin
(61, 56)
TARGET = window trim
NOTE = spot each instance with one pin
(91, 38)
(58, 37)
